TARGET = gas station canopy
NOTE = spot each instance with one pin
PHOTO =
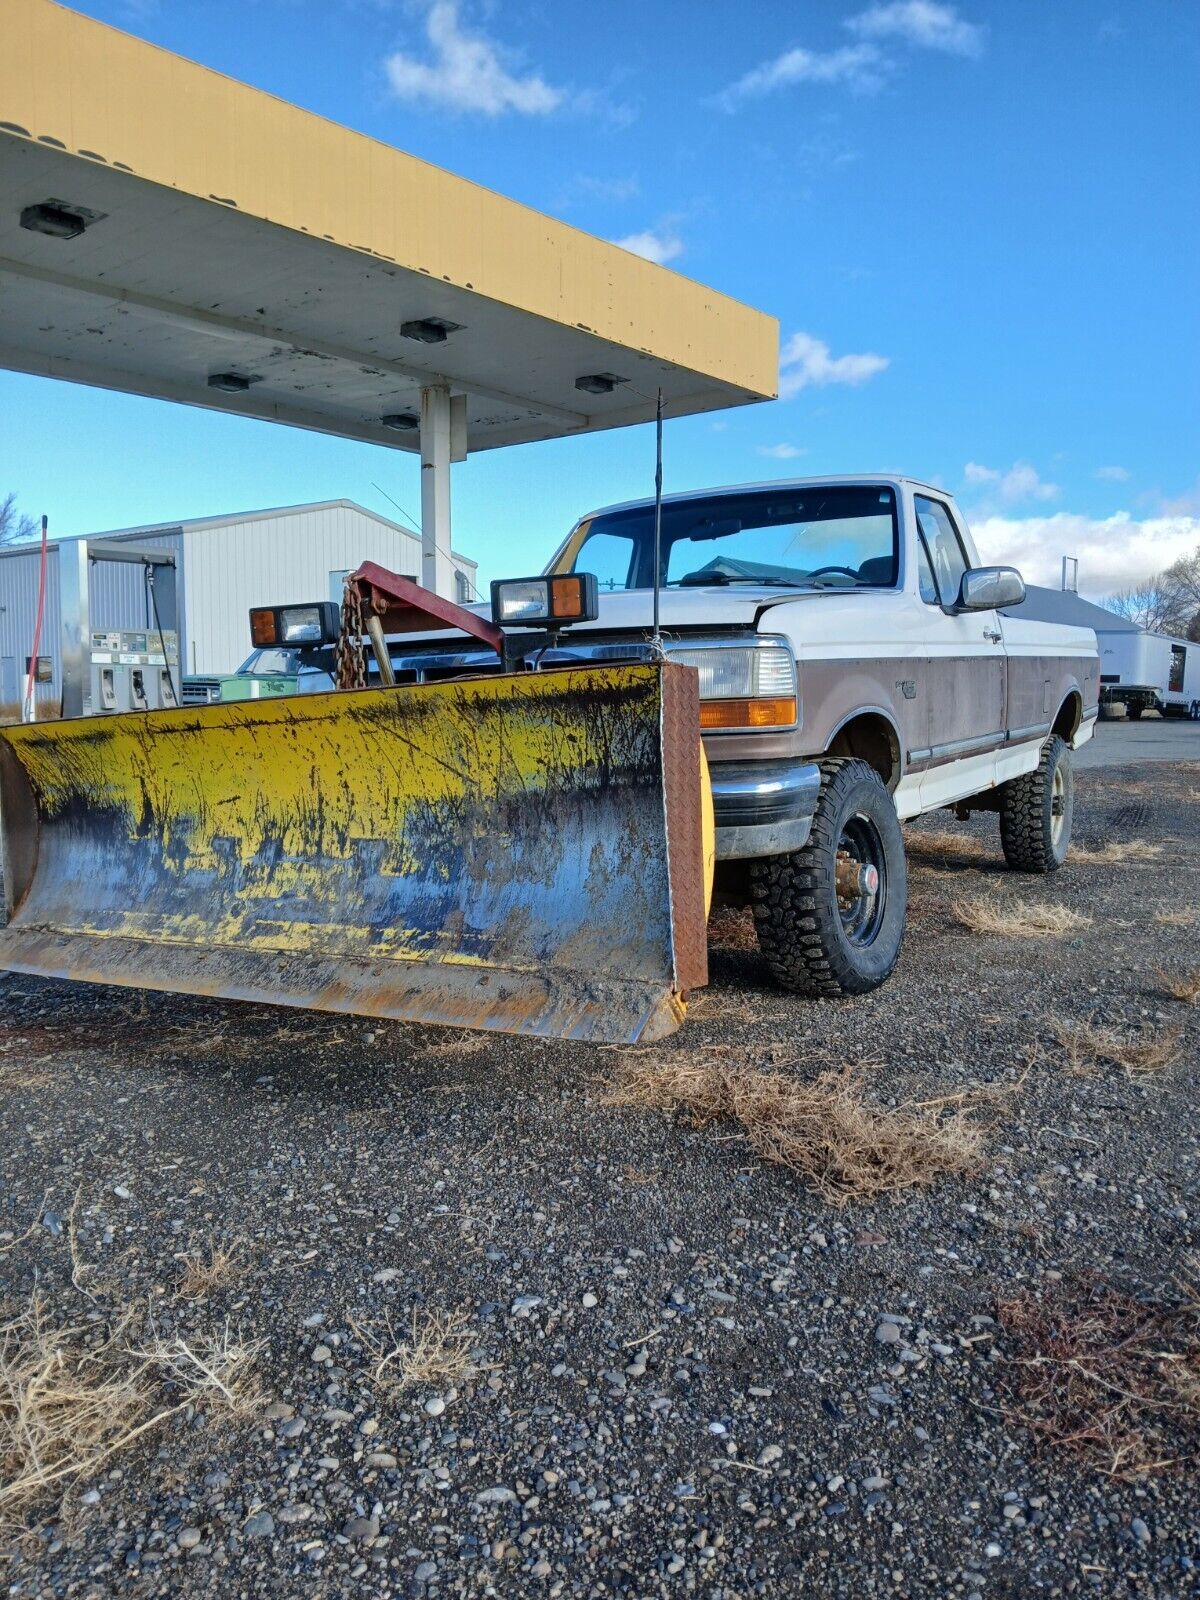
(171, 232)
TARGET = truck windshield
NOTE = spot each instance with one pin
(824, 537)
(270, 664)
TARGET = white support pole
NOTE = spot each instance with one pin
(437, 570)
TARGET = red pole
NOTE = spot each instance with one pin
(29, 712)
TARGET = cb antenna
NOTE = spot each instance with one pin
(658, 421)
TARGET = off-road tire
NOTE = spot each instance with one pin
(800, 926)
(1028, 816)
(1133, 713)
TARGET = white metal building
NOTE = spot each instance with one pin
(224, 566)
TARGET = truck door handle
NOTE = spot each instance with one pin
(990, 633)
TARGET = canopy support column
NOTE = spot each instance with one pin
(437, 570)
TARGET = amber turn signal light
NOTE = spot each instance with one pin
(262, 626)
(779, 713)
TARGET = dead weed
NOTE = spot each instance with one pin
(1110, 1377)
(1181, 986)
(732, 928)
(200, 1278)
(436, 1353)
(1139, 1051)
(72, 1396)
(1019, 919)
(1182, 917)
(825, 1130)
(1126, 852)
(939, 843)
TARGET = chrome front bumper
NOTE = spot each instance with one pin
(763, 808)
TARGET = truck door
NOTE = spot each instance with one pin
(966, 683)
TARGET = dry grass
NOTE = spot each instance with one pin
(1140, 1052)
(436, 1354)
(1019, 919)
(200, 1278)
(71, 1397)
(1109, 1377)
(1181, 986)
(1117, 851)
(1184, 917)
(732, 928)
(825, 1130)
(940, 843)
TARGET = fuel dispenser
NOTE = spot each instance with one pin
(134, 671)
(127, 669)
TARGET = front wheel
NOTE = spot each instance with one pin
(1037, 810)
(830, 917)
(1133, 713)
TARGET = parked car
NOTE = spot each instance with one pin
(854, 672)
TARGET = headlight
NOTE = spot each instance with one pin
(743, 686)
(317, 623)
(301, 625)
(559, 599)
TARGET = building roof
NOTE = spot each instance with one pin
(1065, 606)
(151, 530)
(234, 234)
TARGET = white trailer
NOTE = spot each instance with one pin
(1149, 672)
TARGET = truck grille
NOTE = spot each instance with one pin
(201, 691)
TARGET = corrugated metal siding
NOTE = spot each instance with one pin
(117, 591)
(18, 609)
(281, 560)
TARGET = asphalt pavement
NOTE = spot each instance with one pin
(1152, 738)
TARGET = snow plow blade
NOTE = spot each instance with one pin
(522, 852)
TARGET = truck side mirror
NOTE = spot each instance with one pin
(990, 588)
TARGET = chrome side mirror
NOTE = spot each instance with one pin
(990, 588)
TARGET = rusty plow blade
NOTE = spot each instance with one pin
(522, 853)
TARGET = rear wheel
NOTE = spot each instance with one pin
(830, 917)
(1037, 810)
(1133, 712)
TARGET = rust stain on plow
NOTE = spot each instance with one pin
(506, 852)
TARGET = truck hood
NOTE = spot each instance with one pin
(692, 610)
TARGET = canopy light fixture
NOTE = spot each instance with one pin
(57, 219)
(599, 382)
(429, 330)
(231, 382)
(401, 421)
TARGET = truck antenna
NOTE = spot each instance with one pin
(658, 436)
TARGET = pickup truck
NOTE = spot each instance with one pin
(855, 672)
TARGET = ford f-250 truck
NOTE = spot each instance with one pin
(854, 672)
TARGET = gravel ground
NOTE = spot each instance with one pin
(692, 1376)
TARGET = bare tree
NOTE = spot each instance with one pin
(1183, 578)
(15, 525)
(1167, 603)
(1147, 604)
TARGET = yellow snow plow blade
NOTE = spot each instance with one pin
(523, 852)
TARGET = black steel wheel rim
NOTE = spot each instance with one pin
(861, 847)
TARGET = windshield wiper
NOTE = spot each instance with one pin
(700, 580)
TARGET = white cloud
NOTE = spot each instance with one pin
(860, 66)
(656, 244)
(805, 362)
(1114, 552)
(1019, 482)
(1113, 474)
(468, 72)
(780, 452)
(924, 23)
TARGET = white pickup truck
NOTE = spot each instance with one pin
(855, 671)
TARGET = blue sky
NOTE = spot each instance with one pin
(978, 225)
